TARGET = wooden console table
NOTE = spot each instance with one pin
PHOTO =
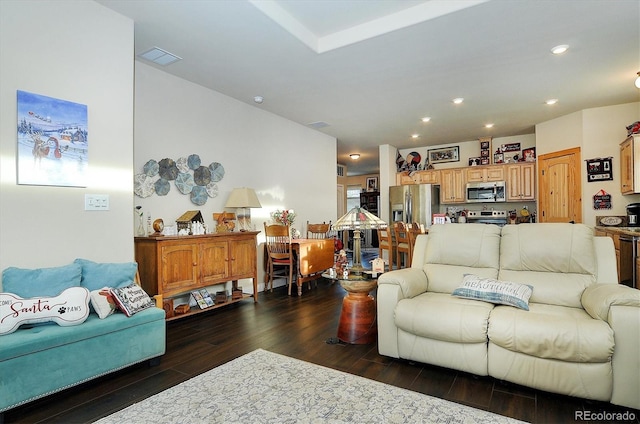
(175, 265)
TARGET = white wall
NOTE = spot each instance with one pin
(80, 52)
(289, 165)
(88, 59)
(598, 132)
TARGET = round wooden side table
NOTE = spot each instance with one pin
(358, 317)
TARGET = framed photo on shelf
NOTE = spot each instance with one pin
(372, 184)
(485, 149)
(484, 161)
(444, 154)
(529, 155)
(474, 161)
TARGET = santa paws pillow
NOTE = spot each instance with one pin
(71, 307)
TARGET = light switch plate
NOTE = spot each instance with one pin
(96, 202)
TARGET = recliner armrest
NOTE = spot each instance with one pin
(597, 299)
(412, 281)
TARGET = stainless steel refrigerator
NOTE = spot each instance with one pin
(414, 203)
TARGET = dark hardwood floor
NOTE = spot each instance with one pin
(298, 327)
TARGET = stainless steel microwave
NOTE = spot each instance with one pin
(486, 192)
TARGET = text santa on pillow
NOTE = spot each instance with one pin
(71, 307)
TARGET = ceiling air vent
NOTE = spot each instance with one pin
(317, 125)
(159, 56)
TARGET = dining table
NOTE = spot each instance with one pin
(312, 257)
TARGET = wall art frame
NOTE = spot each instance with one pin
(444, 154)
(599, 169)
(52, 141)
(372, 183)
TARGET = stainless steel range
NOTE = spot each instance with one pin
(487, 217)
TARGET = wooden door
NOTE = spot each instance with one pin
(560, 187)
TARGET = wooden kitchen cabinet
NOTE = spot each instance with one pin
(483, 174)
(420, 177)
(623, 256)
(175, 265)
(627, 166)
(521, 182)
(452, 186)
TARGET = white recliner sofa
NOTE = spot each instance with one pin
(580, 336)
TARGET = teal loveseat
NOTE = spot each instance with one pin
(38, 360)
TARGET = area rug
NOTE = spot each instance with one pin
(265, 387)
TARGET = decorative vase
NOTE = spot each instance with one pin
(140, 232)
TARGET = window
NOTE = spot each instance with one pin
(353, 197)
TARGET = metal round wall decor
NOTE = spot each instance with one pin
(212, 189)
(168, 169)
(162, 187)
(151, 168)
(184, 182)
(199, 195)
(143, 185)
(189, 176)
(181, 164)
(193, 161)
(217, 171)
(202, 176)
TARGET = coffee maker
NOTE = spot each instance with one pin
(633, 215)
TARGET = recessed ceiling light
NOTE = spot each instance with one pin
(488, 125)
(415, 135)
(354, 156)
(258, 99)
(426, 119)
(560, 49)
(458, 100)
(551, 102)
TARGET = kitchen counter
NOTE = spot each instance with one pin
(629, 231)
(626, 241)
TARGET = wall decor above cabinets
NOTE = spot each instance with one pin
(189, 176)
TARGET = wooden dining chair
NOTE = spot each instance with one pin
(402, 245)
(385, 242)
(318, 231)
(414, 231)
(280, 255)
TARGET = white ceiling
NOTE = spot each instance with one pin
(371, 69)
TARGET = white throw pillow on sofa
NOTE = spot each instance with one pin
(494, 291)
(103, 302)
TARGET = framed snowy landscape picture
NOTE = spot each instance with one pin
(52, 141)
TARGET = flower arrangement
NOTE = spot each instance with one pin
(284, 217)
